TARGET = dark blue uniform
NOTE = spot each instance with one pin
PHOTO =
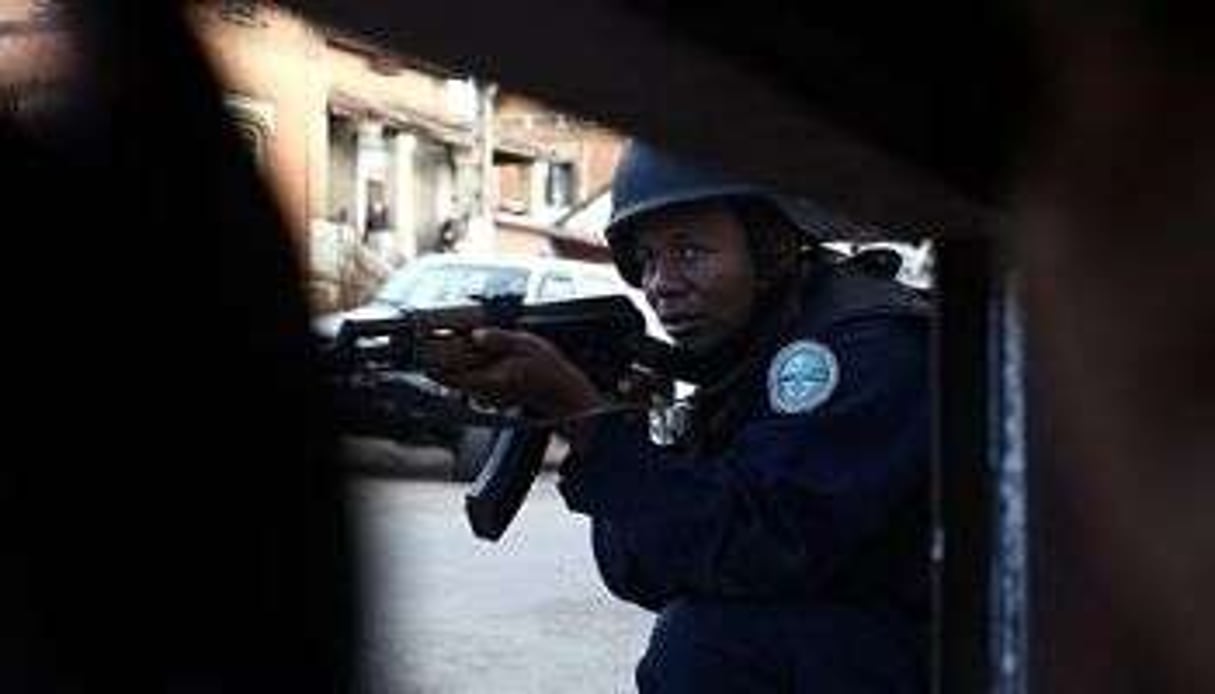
(796, 557)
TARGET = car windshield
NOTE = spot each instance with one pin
(448, 285)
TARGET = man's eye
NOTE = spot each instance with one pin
(690, 253)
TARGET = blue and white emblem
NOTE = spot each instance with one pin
(802, 376)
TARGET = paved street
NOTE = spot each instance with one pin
(451, 614)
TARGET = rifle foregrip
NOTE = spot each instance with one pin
(495, 497)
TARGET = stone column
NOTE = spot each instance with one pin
(403, 199)
(481, 231)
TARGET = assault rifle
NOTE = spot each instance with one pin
(374, 365)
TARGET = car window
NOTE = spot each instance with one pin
(594, 285)
(397, 289)
(556, 287)
(450, 285)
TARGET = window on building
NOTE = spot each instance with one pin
(514, 186)
(377, 205)
(559, 188)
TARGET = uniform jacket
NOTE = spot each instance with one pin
(826, 506)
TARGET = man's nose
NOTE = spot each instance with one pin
(665, 277)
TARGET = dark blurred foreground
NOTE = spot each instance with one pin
(172, 513)
(178, 526)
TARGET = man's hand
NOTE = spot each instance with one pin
(508, 367)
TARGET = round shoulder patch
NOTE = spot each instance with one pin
(802, 376)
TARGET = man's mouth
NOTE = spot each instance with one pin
(681, 325)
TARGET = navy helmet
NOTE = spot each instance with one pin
(648, 180)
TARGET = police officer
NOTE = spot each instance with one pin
(783, 540)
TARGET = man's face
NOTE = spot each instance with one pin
(696, 273)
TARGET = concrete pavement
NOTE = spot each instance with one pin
(446, 613)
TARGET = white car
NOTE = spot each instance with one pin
(445, 280)
(448, 279)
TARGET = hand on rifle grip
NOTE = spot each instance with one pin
(517, 368)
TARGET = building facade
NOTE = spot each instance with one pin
(548, 165)
(375, 158)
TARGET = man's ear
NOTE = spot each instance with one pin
(776, 255)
